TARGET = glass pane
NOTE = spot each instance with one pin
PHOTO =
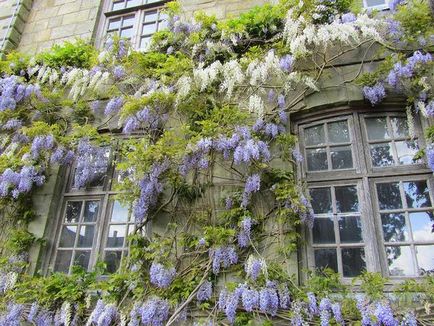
(394, 227)
(316, 159)
(374, 3)
(144, 43)
(116, 236)
(422, 226)
(377, 128)
(85, 238)
(381, 154)
(326, 258)
(341, 157)
(314, 135)
(400, 261)
(90, 211)
(323, 231)
(425, 259)
(132, 3)
(63, 260)
(389, 196)
(82, 259)
(150, 16)
(162, 25)
(128, 21)
(338, 132)
(118, 5)
(73, 210)
(406, 151)
(149, 29)
(119, 213)
(350, 229)
(67, 237)
(417, 194)
(321, 200)
(346, 199)
(113, 260)
(127, 33)
(353, 261)
(399, 127)
(114, 24)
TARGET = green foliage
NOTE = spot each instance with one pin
(324, 282)
(416, 19)
(77, 54)
(20, 241)
(372, 284)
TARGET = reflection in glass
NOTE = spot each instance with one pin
(132, 3)
(73, 209)
(314, 135)
(119, 212)
(116, 236)
(114, 24)
(113, 260)
(377, 128)
(353, 261)
(127, 32)
(323, 230)
(128, 21)
(316, 159)
(381, 154)
(150, 16)
(399, 127)
(144, 42)
(422, 226)
(118, 5)
(67, 237)
(350, 229)
(326, 258)
(85, 238)
(425, 259)
(82, 259)
(374, 3)
(341, 157)
(162, 25)
(149, 29)
(346, 199)
(394, 228)
(321, 200)
(417, 194)
(389, 196)
(90, 211)
(400, 261)
(406, 151)
(338, 132)
(63, 260)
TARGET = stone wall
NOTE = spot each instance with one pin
(13, 16)
(54, 21)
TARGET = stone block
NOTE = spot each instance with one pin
(39, 25)
(63, 31)
(55, 22)
(90, 4)
(84, 27)
(46, 13)
(69, 7)
(75, 17)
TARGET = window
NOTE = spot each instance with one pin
(93, 225)
(372, 203)
(135, 20)
(376, 4)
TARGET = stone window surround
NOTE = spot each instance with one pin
(107, 13)
(361, 175)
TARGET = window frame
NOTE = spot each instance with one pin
(374, 255)
(384, 6)
(139, 13)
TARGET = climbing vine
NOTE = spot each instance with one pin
(204, 153)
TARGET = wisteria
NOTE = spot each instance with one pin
(113, 106)
(160, 275)
(205, 291)
(244, 234)
(269, 299)
(16, 183)
(145, 119)
(253, 184)
(154, 312)
(223, 257)
(41, 143)
(13, 315)
(62, 156)
(374, 94)
(254, 266)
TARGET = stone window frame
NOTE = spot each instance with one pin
(139, 11)
(363, 173)
(105, 194)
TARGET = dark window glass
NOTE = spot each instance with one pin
(73, 210)
(417, 194)
(394, 228)
(321, 200)
(341, 157)
(353, 261)
(350, 229)
(314, 135)
(82, 259)
(346, 199)
(114, 24)
(63, 260)
(381, 155)
(338, 132)
(323, 230)
(67, 237)
(389, 196)
(399, 127)
(377, 128)
(317, 159)
(85, 238)
(113, 260)
(326, 258)
(90, 211)
(116, 236)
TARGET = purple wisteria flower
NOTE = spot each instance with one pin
(119, 72)
(337, 313)
(201, 242)
(113, 106)
(150, 189)
(62, 156)
(374, 94)
(348, 18)
(161, 276)
(253, 267)
(223, 257)
(298, 157)
(286, 63)
(253, 184)
(269, 299)
(244, 234)
(430, 158)
(284, 297)
(13, 92)
(154, 312)
(393, 4)
(313, 306)
(34, 309)
(92, 163)
(13, 315)
(281, 101)
(384, 315)
(16, 183)
(229, 203)
(146, 119)
(12, 124)
(41, 143)
(205, 292)
(108, 315)
(250, 299)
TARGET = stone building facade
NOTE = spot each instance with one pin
(32, 26)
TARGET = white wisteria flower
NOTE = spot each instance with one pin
(256, 105)
(206, 76)
(232, 75)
